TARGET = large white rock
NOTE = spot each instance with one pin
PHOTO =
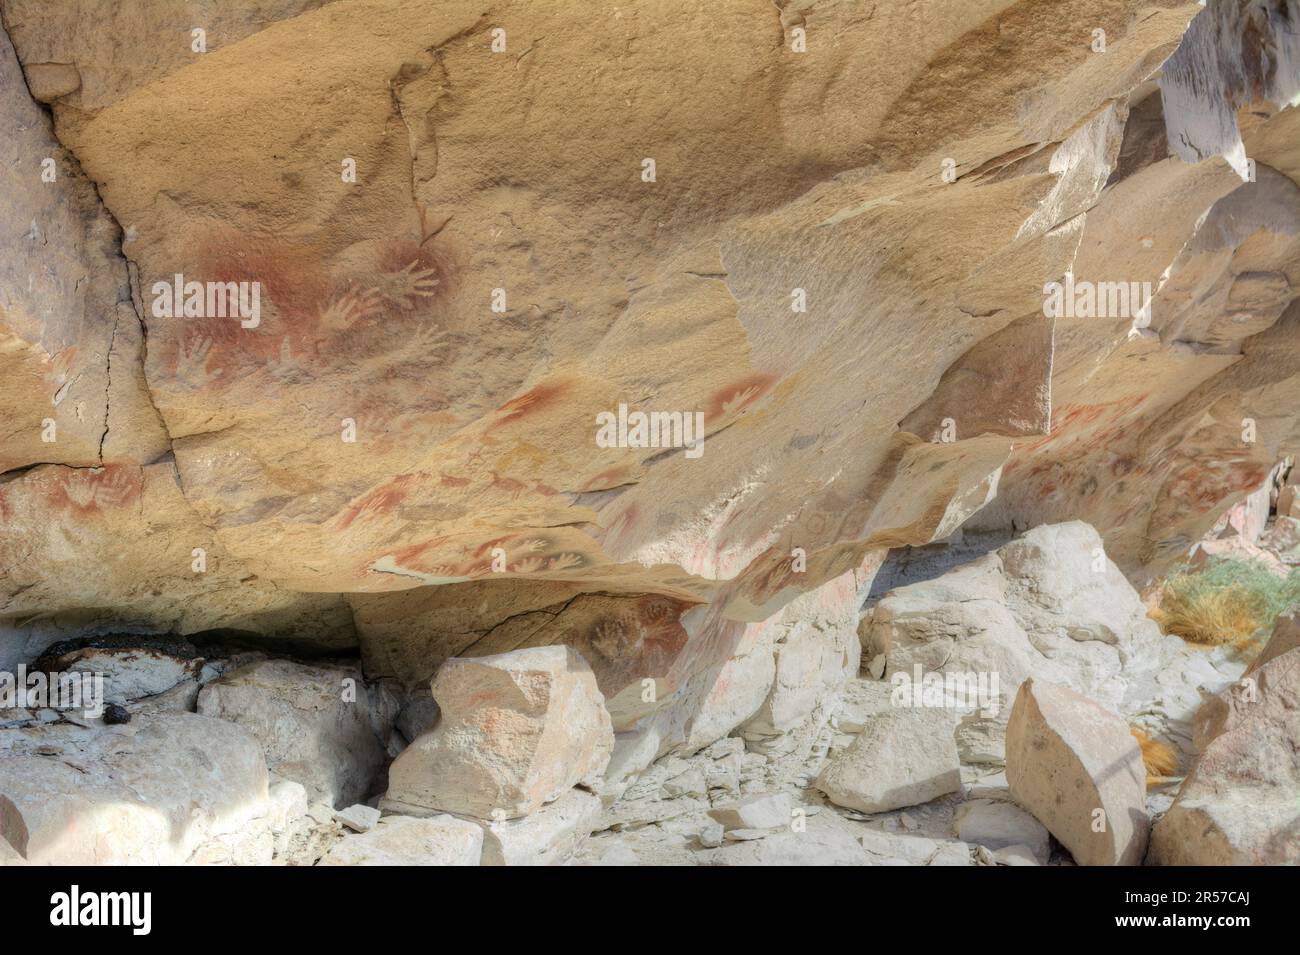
(406, 840)
(164, 789)
(741, 686)
(549, 836)
(817, 652)
(1239, 804)
(133, 667)
(1078, 769)
(779, 672)
(762, 811)
(1060, 583)
(902, 757)
(314, 722)
(997, 824)
(517, 731)
(1050, 605)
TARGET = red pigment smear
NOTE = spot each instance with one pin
(546, 395)
(381, 501)
(508, 485)
(611, 477)
(714, 407)
(82, 492)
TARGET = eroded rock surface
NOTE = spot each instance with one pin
(459, 249)
(475, 429)
(162, 790)
(1049, 605)
(318, 724)
(132, 667)
(1238, 804)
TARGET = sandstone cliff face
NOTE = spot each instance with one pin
(837, 265)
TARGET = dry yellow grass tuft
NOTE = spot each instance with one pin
(1210, 618)
(1160, 759)
(1226, 602)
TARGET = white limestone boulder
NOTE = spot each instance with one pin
(164, 789)
(903, 757)
(762, 811)
(406, 840)
(132, 667)
(1239, 805)
(517, 731)
(1077, 768)
(998, 824)
(1049, 605)
(817, 653)
(1060, 581)
(315, 723)
(551, 835)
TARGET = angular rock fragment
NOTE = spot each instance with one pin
(711, 835)
(517, 730)
(549, 836)
(997, 824)
(902, 757)
(406, 840)
(1238, 805)
(1078, 769)
(358, 818)
(765, 811)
